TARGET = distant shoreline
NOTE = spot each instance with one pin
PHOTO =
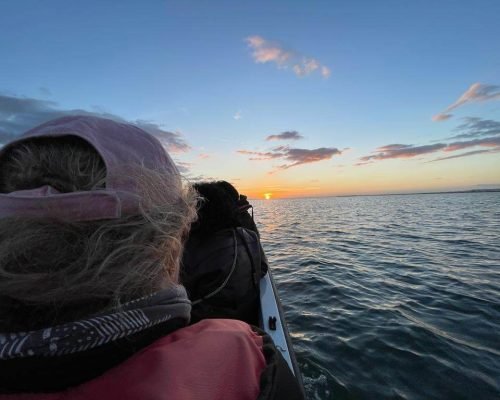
(409, 194)
(388, 194)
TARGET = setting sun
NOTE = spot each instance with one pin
(267, 196)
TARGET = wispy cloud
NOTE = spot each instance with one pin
(18, 114)
(202, 178)
(477, 92)
(392, 151)
(265, 51)
(402, 151)
(237, 115)
(172, 141)
(287, 135)
(261, 155)
(469, 153)
(325, 71)
(477, 127)
(293, 156)
(183, 167)
(441, 117)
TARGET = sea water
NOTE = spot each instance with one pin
(390, 297)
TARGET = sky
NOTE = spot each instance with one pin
(280, 98)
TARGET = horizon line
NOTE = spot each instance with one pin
(381, 194)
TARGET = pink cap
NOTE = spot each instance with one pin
(122, 147)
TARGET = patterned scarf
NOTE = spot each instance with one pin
(73, 337)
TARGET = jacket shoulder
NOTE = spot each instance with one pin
(207, 360)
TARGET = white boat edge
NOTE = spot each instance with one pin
(269, 309)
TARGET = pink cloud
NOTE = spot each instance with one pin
(477, 92)
(306, 67)
(441, 117)
(325, 72)
(264, 51)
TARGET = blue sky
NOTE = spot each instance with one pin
(190, 68)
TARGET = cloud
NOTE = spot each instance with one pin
(441, 117)
(237, 116)
(18, 114)
(485, 142)
(203, 156)
(477, 127)
(325, 72)
(287, 135)
(183, 167)
(477, 92)
(293, 156)
(172, 141)
(306, 67)
(265, 51)
(402, 151)
(408, 151)
(360, 164)
(469, 153)
(202, 178)
(260, 156)
(305, 156)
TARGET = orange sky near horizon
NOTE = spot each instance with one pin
(388, 176)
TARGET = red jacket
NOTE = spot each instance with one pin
(213, 359)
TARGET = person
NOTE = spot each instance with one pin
(93, 219)
(223, 261)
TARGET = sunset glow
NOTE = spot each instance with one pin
(267, 196)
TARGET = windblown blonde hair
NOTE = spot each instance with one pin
(53, 271)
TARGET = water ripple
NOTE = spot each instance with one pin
(390, 297)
